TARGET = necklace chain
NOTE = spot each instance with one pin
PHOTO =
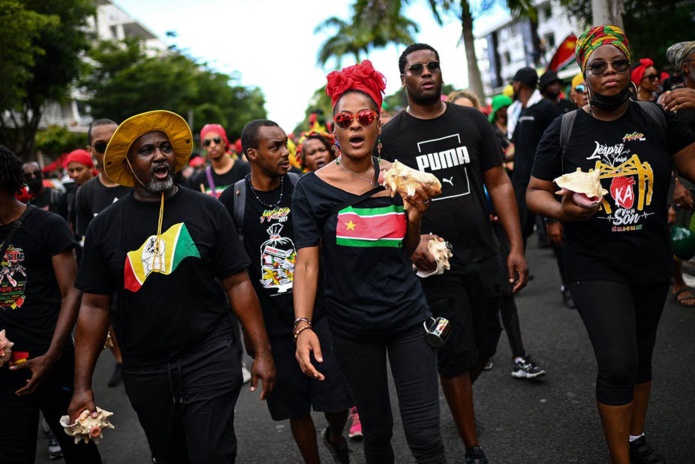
(253, 190)
(338, 162)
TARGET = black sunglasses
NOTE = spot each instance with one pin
(417, 68)
(100, 147)
(35, 174)
(207, 142)
(599, 67)
(652, 77)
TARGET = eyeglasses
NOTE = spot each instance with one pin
(35, 174)
(417, 68)
(100, 147)
(652, 77)
(580, 88)
(365, 117)
(599, 67)
(207, 142)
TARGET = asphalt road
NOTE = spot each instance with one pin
(551, 421)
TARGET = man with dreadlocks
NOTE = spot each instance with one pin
(164, 251)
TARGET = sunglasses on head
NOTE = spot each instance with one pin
(365, 117)
(599, 67)
(651, 77)
(580, 88)
(417, 68)
(207, 142)
(100, 147)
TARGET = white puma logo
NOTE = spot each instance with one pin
(451, 180)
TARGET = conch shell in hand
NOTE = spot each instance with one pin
(86, 427)
(440, 249)
(5, 348)
(405, 180)
(585, 186)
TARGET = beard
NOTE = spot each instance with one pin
(159, 186)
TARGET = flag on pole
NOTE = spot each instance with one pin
(564, 54)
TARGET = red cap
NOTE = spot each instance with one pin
(80, 156)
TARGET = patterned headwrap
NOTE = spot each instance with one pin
(590, 40)
(362, 77)
(638, 73)
(678, 52)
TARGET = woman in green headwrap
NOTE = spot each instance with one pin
(616, 244)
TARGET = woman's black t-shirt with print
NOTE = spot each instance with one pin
(370, 287)
(30, 298)
(628, 239)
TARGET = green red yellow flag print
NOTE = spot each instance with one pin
(371, 227)
(175, 245)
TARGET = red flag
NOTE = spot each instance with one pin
(564, 54)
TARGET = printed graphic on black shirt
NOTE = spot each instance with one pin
(441, 156)
(278, 258)
(631, 183)
(13, 279)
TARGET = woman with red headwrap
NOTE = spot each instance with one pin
(374, 303)
(617, 247)
(80, 169)
(646, 79)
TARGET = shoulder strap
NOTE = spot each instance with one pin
(655, 112)
(294, 177)
(239, 200)
(566, 126)
(211, 182)
(15, 227)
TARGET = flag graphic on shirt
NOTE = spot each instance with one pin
(175, 245)
(371, 227)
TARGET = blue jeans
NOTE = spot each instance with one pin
(414, 368)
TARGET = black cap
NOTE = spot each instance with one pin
(527, 76)
(548, 78)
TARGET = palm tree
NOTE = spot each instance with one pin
(374, 24)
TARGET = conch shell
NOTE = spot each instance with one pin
(405, 180)
(5, 348)
(440, 249)
(86, 427)
(585, 186)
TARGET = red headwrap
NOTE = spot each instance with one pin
(638, 73)
(362, 77)
(217, 129)
(80, 156)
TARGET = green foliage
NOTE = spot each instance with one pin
(55, 140)
(126, 80)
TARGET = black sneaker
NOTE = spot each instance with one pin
(54, 450)
(340, 452)
(525, 368)
(642, 453)
(116, 377)
(476, 455)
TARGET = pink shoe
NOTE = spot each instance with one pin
(355, 432)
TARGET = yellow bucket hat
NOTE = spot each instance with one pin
(174, 126)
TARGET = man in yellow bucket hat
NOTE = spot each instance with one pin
(164, 251)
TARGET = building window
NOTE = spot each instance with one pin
(548, 12)
(549, 41)
(507, 57)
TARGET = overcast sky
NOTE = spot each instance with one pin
(271, 44)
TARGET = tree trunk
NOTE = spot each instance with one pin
(475, 82)
(608, 12)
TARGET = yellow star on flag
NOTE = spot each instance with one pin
(350, 225)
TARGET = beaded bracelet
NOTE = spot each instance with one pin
(300, 319)
(302, 329)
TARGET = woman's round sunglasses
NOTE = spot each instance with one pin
(207, 142)
(599, 67)
(344, 119)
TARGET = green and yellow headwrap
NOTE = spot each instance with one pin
(590, 40)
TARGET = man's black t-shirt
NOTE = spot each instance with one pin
(371, 291)
(91, 199)
(30, 298)
(457, 147)
(167, 301)
(628, 239)
(533, 121)
(47, 200)
(222, 181)
(269, 243)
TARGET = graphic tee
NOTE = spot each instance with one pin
(168, 295)
(628, 239)
(457, 148)
(269, 243)
(91, 199)
(221, 181)
(29, 294)
(371, 290)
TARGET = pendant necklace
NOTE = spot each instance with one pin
(337, 161)
(277, 203)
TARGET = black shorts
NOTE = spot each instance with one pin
(469, 297)
(295, 393)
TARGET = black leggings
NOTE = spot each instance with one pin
(622, 322)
